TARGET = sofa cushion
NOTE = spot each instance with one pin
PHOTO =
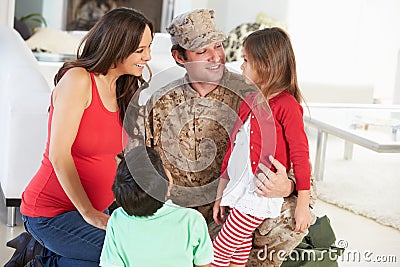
(53, 41)
(233, 42)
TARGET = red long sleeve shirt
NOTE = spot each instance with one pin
(281, 135)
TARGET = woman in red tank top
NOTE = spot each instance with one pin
(63, 205)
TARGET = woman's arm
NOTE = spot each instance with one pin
(71, 97)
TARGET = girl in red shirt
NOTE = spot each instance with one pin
(262, 131)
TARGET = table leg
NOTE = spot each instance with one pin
(11, 216)
(348, 150)
(394, 133)
(319, 165)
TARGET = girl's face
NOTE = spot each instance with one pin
(135, 62)
(247, 71)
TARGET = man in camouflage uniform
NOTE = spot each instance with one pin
(188, 122)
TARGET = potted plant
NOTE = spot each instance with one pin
(26, 24)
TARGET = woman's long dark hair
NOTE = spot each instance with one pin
(111, 40)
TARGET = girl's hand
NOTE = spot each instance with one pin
(96, 218)
(218, 212)
(302, 217)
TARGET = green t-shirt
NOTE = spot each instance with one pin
(173, 236)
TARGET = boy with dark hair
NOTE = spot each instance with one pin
(139, 233)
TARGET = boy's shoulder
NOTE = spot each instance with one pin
(168, 211)
(184, 214)
(188, 211)
(118, 213)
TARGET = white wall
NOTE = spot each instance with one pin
(182, 6)
(25, 7)
(396, 96)
(55, 19)
(335, 41)
(347, 41)
(7, 12)
(379, 44)
(230, 13)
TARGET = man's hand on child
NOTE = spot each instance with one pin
(277, 184)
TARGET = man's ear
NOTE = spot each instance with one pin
(178, 57)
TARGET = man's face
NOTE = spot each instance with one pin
(207, 64)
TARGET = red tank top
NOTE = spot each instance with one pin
(98, 141)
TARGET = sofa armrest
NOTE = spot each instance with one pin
(23, 140)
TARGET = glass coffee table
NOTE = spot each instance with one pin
(372, 126)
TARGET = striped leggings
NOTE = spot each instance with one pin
(234, 241)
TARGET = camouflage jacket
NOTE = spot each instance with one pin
(191, 133)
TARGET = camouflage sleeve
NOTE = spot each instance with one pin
(148, 130)
(134, 123)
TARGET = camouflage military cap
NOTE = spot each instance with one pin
(195, 30)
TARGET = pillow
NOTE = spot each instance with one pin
(233, 42)
(263, 18)
(53, 41)
(235, 38)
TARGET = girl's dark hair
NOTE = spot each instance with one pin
(271, 56)
(111, 40)
(141, 185)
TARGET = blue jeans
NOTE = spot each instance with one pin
(68, 239)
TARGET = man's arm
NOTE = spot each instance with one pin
(278, 184)
(138, 121)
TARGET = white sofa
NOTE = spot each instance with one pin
(24, 100)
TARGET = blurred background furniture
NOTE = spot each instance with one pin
(375, 127)
(24, 101)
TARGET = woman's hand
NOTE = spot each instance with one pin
(218, 212)
(96, 218)
(277, 184)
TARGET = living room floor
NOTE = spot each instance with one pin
(367, 240)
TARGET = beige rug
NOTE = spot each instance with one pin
(368, 185)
